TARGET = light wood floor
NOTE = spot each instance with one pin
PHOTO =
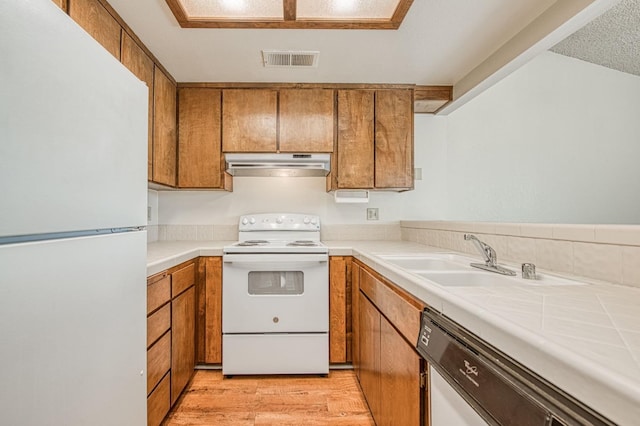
(211, 399)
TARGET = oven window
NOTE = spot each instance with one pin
(276, 282)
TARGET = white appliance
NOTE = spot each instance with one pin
(448, 407)
(275, 297)
(73, 137)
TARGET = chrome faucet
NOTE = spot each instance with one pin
(490, 257)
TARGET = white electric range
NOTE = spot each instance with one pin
(275, 297)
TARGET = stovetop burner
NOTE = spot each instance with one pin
(250, 243)
(303, 243)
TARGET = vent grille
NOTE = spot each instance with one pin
(290, 59)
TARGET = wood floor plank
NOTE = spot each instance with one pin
(211, 399)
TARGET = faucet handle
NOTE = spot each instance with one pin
(529, 271)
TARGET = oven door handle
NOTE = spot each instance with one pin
(271, 258)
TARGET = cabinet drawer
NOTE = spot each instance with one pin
(182, 279)
(158, 323)
(158, 361)
(159, 402)
(158, 292)
(404, 314)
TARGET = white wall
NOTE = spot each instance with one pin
(556, 141)
(308, 195)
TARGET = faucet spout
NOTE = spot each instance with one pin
(490, 257)
(489, 254)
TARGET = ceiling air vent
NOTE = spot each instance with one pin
(290, 59)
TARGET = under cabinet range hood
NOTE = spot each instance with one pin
(278, 164)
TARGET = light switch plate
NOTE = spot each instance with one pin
(148, 213)
(417, 173)
(372, 214)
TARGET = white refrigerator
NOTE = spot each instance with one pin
(73, 149)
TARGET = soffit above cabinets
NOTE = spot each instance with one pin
(292, 14)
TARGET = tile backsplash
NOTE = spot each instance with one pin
(608, 253)
(197, 232)
(353, 232)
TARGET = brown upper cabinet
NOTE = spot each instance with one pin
(375, 140)
(200, 161)
(141, 65)
(249, 120)
(164, 130)
(306, 120)
(278, 120)
(355, 148)
(103, 23)
(98, 22)
(394, 139)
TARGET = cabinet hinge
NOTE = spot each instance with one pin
(423, 380)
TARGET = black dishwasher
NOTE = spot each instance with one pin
(500, 390)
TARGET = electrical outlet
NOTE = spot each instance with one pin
(148, 213)
(372, 214)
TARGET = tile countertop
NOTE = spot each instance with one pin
(585, 338)
(166, 254)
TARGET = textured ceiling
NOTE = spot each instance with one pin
(611, 40)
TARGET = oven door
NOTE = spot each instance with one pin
(275, 293)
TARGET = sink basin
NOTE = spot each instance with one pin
(435, 262)
(489, 279)
(469, 279)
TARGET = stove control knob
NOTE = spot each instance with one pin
(252, 220)
(279, 220)
(306, 220)
(314, 221)
(245, 220)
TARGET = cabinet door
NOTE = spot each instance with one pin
(182, 341)
(355, 317)
(370, 355)
(338, 309)
(159, 402)
(394, 139)
(164, 129)
(209, 311)
(355, 148)
(400, 379)
(306, 120)
(199, 146)
(249, 120)
(98, 22)
(158, 361)
(141, 65)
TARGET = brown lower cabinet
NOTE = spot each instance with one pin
(159, 402)
(387, 365)
(171, 320)
(209, 311)
(183, 323)
(339, 309)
